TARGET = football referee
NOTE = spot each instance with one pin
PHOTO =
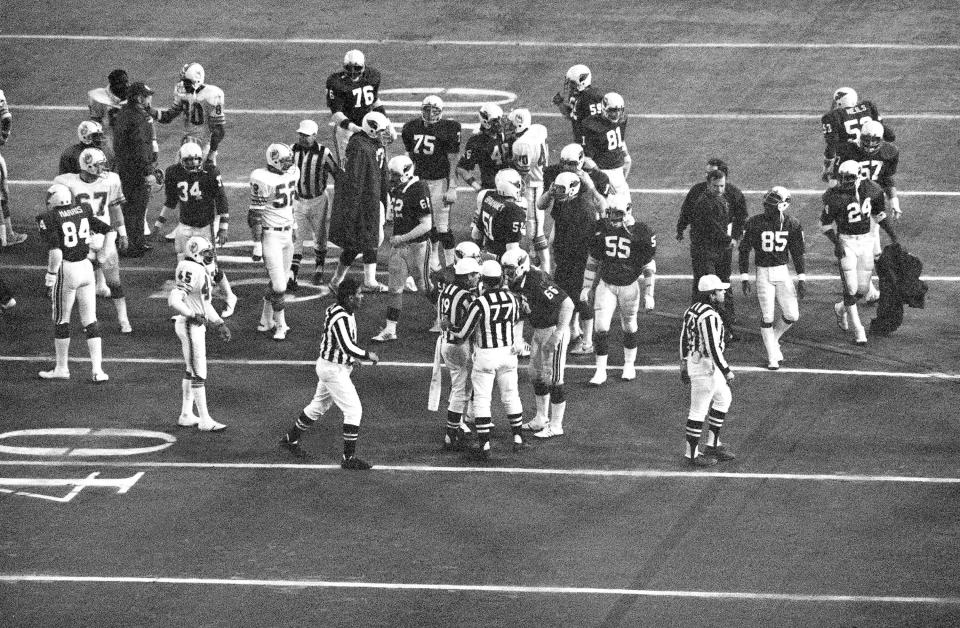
(312, 205)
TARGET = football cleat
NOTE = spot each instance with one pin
(188, 420)
(518, 444)
(841, 313)
(231, 306)
(648, 304)
(265, 327)
(721, 453)
(534, 426)
(773, 366)
(15, 238)
(280, 332)
(483, 454)
(8, 305)
(292, 285)
(599, 378)
(629, 372)
(375, 288)
(355, 464)
(410, 285)
(293, 447)
(385, 336)
(549, 432)
(54, 374)
(700, 461)
(211, 426)
(581, 349)
(861, 337)
(98, 377)
(126, 328)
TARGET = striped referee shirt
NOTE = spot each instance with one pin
(339, 341)
(315, 163)
(703, 335)
(490, 318)
(453, 303)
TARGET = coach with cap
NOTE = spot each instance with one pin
(135, 147)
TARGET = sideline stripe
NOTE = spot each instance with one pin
(401, 109)
(486, 43)
(426, 365)
(493, 588)
(603, 473)
(654, 191)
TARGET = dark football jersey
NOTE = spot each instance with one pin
(500, 220)
(773, 240)
(600, 179)
(622, 251)
(440, 279)
(850, 210)
(200, 194)
(574, 223)
(603, 141)
(69, 229)
(409, 203)
(486, 152)
(429, 144)
(543, 296)
(353, 98)
(843, 124)
(879, 166)
(587, 103)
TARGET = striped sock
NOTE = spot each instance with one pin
(716, 422)
(350, 435)
(694, 430)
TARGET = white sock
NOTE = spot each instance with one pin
(780, 327)
(186, 407)
(224, 285)
(121, 307)
(62, 347)
(200, 397)
(95, 346)
(280, 318)
(391, 326)
(853, 317)
(541, 401)
(370, 274)
(602, 363)
(629, 356)
(770, 343)
(588, 332)
(556, 415)
(266, 314)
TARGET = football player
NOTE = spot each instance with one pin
(575, 204)
(572, 159)
(550, 314)
(67, 229)
(433, 143)
(604, 141)
(410, 209)
(190, 299)
(351, 94)
(847, 211)
(582, 99)
(99, 190)
(8, 237)
(529, 155)
(90, 134)
(484, 150)
(196, 189)
(499, 222)
(774, 236)
(105, 102)
(202, 109)
(272, 191)
(842, 124)
(620, 249)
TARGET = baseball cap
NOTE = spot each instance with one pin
(709, 283)
(308, 127)
(466, 266)
(139, 89)
(491, 268)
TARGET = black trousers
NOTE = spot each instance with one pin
(713, 261)
(137, 191)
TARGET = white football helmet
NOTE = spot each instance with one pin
(192, 76)
(613, 106)
(199, 250)
(190, 156)
(566, 186)
(776, 199)
(431, 109)
(845, 97)
(466, 249)
(618, 211)
(571, 157)
(401, 169)
(848, 174)
(353, 64)
(515, 264)
(93, 162)
(279, 157)
(377, 126)
(90, 133)
(578, 79)
(517, 121)
(59, 195)
(871, 134)
(508, 183)
(490, 115)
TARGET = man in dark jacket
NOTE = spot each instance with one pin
(716, 217)
(360, 201)
(135, 147)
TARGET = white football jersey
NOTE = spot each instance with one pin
(103, 106)
(194, 280)
(4, 108)
(272, 194)
(201, 110)
(99, 195)
(530, 151)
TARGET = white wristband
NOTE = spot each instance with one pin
(744, 277)
(122, 231)
(802, 277)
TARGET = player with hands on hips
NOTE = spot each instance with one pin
(529, 155)
(410, 209)
(774, 237)
(704, 367)
(68, 229)
(272, 192)
(191, 300)
(338, 354)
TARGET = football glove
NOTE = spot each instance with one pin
(158, 175)
(257, 251)
(197, 319)
(224, 331)
(558, 99)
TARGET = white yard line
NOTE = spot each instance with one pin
(486, 43)
(752, 596)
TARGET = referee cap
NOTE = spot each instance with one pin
(491, 269)
(308, 127)
(466, 266)
(709, 283)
